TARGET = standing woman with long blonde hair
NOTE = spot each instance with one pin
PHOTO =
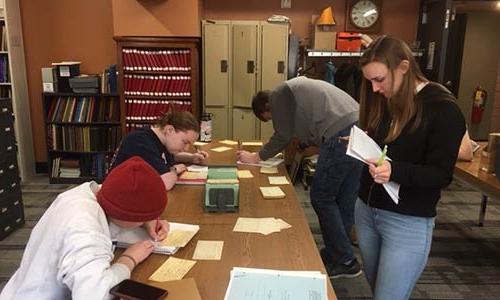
(422, 127)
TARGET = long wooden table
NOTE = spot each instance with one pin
(290, 249)
(487, 184)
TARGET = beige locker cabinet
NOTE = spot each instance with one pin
(243, 124)
(274, 62)
(244, 63)
(250, 47)
(219, 122)
(216, 63)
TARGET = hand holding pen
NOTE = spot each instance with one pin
(157, 229)
(200, 157)
(380, 168)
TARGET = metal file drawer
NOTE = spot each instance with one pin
(7, 138)
(12, 218)
(6, 114)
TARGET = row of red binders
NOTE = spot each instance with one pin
(151, 110)
(156, 60)
(147, 85)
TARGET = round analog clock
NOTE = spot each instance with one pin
(363, 15)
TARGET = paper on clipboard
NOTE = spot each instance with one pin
(363, 147)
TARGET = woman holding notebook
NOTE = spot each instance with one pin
(422, 127)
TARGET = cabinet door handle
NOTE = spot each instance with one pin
(223, 66)
(250, 66)
(7, 228)
(4, 209)
(281, 67)
(5, 109)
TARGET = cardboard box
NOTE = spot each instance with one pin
(347, 41)
(324, 37)
(48, 82)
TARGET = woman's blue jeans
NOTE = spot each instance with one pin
(333, 193)
(394, 248)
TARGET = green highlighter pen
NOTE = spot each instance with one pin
(382, 156)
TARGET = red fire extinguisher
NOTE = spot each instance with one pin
(478, 104)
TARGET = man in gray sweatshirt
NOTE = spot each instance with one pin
(318, 113)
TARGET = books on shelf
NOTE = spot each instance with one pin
(156, 60)
(83, 138)
(180, 234)
(94, 165)
(85, 109)
(157, 85)
(150, 110)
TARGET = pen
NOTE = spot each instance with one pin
(382, 156)
(157, 228)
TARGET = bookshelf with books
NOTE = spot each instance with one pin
(156, 75)
(83, 131)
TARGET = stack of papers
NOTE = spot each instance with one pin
(272, 162)
(272, 192)
(264, 226)
(362, 147)
(189, 177)
(178, 236)
(256, 284)
(278, 180)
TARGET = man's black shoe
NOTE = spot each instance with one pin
(347, 271)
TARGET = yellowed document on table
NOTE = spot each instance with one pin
(260, 225)
(229, 142)
(244, 174)
(208, 250)
(221, 149)
(172, 269)
(278, 180)
(178, 238)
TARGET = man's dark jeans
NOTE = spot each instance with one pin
(333, 194)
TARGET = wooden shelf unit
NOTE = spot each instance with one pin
(160, 59)
(93, 127)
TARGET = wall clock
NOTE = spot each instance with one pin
(363, 15)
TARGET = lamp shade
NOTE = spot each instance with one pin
(326, 17)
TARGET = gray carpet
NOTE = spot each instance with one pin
(464, 262)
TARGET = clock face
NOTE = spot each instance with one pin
(364, 14)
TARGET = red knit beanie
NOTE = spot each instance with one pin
(133, 191)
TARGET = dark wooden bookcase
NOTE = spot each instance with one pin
(156, 75)
(83, 131)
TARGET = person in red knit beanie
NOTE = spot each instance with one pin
(70, 252)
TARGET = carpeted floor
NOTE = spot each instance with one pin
(464, 262)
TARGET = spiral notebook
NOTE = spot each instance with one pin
(179, 235)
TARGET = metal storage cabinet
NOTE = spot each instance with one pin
(240, 58)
